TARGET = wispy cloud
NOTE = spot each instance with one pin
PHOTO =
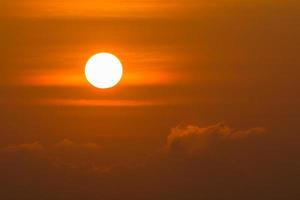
(89, 8)
(98, 103)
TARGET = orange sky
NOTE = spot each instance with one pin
(208, 107)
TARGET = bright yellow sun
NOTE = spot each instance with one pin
(103, 70)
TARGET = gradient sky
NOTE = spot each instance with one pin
(208, 107)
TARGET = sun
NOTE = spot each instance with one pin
(103, 70)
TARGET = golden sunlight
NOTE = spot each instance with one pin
(103, 70)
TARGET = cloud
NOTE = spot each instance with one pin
(64, 154)
(193, 139)
(28, 147)
(251, 168)
(69, 144)
(63, 144)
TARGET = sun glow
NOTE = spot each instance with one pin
(103, 70)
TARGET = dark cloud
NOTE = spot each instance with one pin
(193, 139)
(226, 163)
(35, 146)
(66, 154)
(67, 143)
(63, 144)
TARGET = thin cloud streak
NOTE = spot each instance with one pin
(98, 103)
(63, 78)
(89, 8)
